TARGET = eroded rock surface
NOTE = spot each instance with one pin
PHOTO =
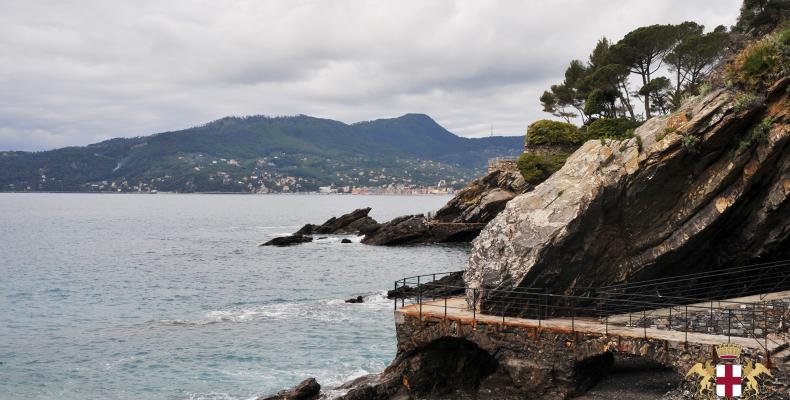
(688, 193)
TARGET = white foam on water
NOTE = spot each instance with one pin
(216, 396)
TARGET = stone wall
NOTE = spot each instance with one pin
(535, 363)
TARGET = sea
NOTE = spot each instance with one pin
(169, 296)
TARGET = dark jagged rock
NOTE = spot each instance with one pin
(448, 285)
(308, 389)
(692, 191)
(289, 240)
(415, 229)
(460, 220)
(446, 368)
(354, 222)
(358, 299)
(483, 198)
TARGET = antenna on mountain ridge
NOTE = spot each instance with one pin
(492, 130)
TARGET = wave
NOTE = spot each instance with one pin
(332, 310)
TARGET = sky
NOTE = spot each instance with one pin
(78, 72)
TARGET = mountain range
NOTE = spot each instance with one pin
(263, 154)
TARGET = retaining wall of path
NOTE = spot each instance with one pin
(550, 363)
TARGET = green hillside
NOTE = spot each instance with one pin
(261, 153)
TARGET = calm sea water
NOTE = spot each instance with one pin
(169, 296)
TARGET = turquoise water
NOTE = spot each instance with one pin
(169, 296)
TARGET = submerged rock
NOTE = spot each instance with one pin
(308, 389)
(691, 191)
(289, 240)
(346, 241)
(358, 299)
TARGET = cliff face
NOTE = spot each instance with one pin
(705, 186)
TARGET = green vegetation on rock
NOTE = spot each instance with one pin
(547, 132)
(536, 168)
(612, 128)
(763, 61)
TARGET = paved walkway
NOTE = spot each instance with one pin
(457, 310)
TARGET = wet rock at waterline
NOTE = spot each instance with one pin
(309, 389)
(288, 240)
(358, 299)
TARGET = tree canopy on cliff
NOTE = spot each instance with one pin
(600, 88)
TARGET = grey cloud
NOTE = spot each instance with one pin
(77, 72)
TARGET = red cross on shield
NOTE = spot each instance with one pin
(728, 380)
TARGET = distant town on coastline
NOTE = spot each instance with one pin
(411, 154)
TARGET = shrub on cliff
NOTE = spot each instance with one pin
(536, 168)
(612, 128)
(763, 61)
(553, 133)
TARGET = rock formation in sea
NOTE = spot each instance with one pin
(460, 220)
(354, 222)
(705, 186)
(288, 240)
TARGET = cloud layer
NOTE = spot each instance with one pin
(76, 72)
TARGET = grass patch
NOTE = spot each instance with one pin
(690, 143)
(747, 101)
(760, 63)
(758, 134)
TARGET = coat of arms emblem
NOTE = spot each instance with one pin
(728, 379)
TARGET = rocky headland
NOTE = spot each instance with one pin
(703, 187)
(460, 220)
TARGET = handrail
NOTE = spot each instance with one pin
(625, 304)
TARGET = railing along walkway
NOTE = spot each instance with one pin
(456, 309)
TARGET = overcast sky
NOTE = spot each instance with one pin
(76, 72)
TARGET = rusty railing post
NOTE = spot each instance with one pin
(686, 328)
(445, 307)
(474, 305)
(573, 315)
(765, 314)
(433, 281)
(403, 298)
(644, 322)
(670, 318)
(729, 325)
(419, 295)
(395, 295)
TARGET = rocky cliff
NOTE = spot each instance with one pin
(705, 186)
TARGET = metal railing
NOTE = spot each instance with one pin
(676, 303)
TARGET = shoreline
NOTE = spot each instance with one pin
(238, 193)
